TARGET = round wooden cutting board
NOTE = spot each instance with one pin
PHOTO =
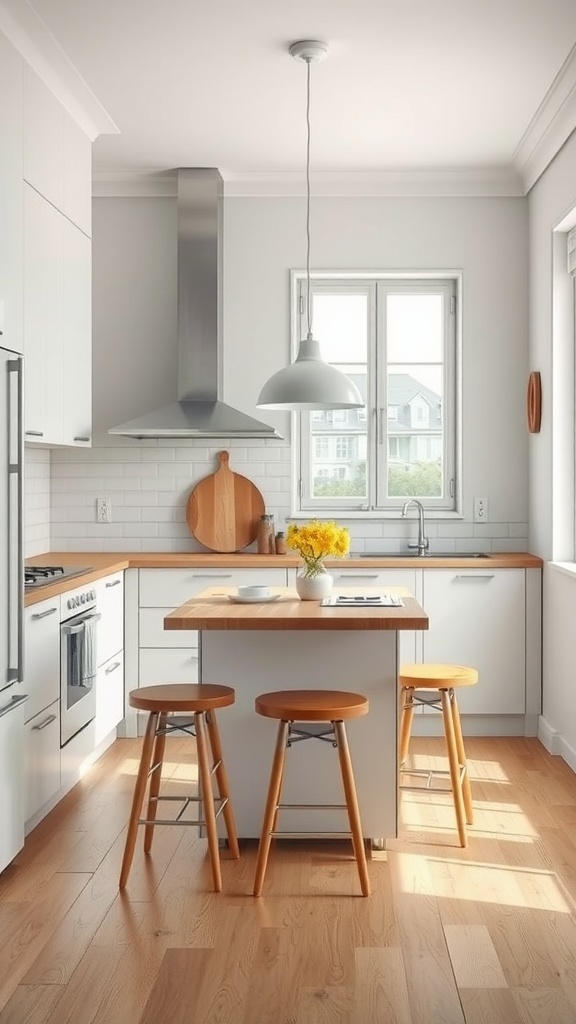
(224, 508)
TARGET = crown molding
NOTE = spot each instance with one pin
(338, 184)
(30, 36)
(551, 125)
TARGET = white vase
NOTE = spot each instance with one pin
(314, 588)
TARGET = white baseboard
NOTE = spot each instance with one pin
(555, 743)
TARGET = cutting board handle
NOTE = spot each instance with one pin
(224, 460)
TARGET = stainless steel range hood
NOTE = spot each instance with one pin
(198, 411)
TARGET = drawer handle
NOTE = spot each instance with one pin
(34, 433)
(47, 721)
(212, 575)
(358, 576)
(113, 583)
(42, 615)
(112, 668)
(474, 576)
(78, 438)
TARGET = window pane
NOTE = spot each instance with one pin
(414, 328)
(338, 436)
(415, 432)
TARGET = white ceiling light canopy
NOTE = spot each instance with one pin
(309, 383)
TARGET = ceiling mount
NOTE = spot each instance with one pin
(311, 51)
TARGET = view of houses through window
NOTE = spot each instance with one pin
(396, 340)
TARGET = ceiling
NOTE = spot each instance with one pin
(408, 85)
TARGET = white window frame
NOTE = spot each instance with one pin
(374, 284)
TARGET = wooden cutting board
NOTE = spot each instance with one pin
(224, 508)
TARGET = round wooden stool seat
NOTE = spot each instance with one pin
(416, 682)
(312, 705)
(189, 708)
(437, 677)
(180, 697)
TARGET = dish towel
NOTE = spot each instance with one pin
(89, 656)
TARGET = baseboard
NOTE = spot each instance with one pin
(555, 743)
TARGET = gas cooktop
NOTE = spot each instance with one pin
(41, 575)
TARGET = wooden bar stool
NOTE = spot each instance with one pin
(418, 683)
(308, 706)
(162, 702)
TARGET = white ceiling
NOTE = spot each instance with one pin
(408, 85)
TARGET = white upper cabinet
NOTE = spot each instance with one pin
(11, 85)
(57, 153)
(76, 337)
(57, 279)
(43, 319)
(43, 140)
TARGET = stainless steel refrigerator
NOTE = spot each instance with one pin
(11, 604)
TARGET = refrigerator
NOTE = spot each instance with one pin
(11, 609)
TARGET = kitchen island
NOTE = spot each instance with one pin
(293, 644)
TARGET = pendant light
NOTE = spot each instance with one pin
(309, 383)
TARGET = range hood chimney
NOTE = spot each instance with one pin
(198, 411)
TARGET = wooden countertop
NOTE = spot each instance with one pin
(104, 563)
(213, 610)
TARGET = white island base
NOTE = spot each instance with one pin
(254, 662)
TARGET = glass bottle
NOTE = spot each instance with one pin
(265, 535)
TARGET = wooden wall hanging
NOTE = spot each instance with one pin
(534, 402)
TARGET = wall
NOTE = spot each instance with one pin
(551, 452)
(134, 266)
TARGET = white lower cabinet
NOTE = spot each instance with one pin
(478, 618)
(42, 759)
(109, 696)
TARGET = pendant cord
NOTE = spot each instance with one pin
(308, 304)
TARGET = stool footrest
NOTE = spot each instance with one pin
(428, 774)
(309, 835)
(311, 807)
(185, 801)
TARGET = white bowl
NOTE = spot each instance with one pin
(254, 591)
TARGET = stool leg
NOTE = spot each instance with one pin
(352, 805)
(138, 797)
(207, 795)
(271, 810)
(466, 791)
(406, 721)
(155, 780)
(222, 780)
(454, 766)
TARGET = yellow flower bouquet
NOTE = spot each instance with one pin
(317, 540)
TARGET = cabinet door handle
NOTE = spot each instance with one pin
(42, 725)
(113, 583)
(81, 438)
(112, 668)
(42, 615)
(34, 433)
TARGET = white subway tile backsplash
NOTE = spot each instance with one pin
(149, 484)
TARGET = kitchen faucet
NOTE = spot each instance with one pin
(422, 543)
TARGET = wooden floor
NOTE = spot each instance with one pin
(485, 935)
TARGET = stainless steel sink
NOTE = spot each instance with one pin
(414, 554)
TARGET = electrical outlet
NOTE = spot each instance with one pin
(480, 510)
(103, 510)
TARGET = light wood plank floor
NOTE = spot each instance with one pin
(485, 935)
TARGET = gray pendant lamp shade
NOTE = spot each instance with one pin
(309, 383)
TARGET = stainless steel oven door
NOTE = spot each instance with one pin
(78, 674)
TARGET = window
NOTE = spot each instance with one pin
(396, 338)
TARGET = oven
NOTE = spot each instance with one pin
(78, 659)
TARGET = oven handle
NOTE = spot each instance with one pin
(78, 627)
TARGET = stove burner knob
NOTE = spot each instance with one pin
(82, 598)
(70, 603)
